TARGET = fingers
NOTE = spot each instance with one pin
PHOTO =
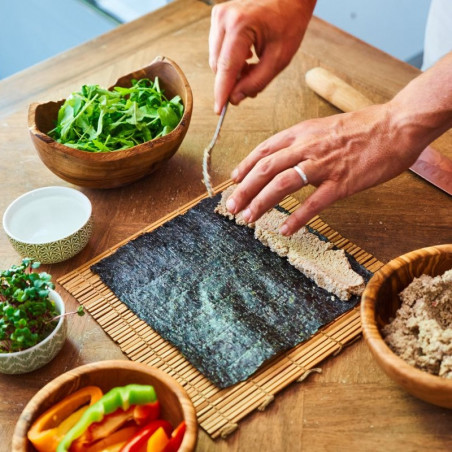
(229, 47)
(281, 185)
(230, 62)
(261, 191)
(269, 179)
(324, 196)
(259, 75)
(267, 148)
(216, 36)
(239, 79)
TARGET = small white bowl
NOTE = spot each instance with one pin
(49, 224)
(40, 354)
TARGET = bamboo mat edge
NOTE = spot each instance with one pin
(219, 410)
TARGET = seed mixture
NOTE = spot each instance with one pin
(421, 332)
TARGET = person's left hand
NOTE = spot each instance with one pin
(340, 155)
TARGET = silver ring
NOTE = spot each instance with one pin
(302, 174)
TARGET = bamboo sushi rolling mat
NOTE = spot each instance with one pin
(218, 410)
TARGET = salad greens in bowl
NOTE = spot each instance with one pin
(106, 138)
(95, 119)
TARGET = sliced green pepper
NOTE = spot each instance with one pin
(122, 397)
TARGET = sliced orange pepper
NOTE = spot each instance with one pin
(158, 441)
(138, 442)
(48, 430)
(115, 441)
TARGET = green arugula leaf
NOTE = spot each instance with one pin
(98, 120)
(168, 117)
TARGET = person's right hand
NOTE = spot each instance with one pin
(274, 28)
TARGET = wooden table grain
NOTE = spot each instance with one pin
(351, 405)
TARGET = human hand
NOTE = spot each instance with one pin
(274, 28)
(340, 155)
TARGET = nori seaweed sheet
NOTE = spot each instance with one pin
(220, 296)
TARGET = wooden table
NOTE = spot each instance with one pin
(351, 405)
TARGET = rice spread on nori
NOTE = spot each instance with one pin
(222, 298)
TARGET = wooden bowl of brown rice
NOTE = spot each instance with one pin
(407, 322)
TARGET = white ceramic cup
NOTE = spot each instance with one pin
(49, 224)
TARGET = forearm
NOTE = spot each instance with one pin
(422, 111)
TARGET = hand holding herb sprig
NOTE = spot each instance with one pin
(27, 315)
(98, 120)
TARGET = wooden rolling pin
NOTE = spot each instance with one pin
(335, 90)
(431, 165)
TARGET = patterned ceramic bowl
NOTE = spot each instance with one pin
(49, 224)
(37, 356)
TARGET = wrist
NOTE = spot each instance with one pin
(414, 128)
(422, 111)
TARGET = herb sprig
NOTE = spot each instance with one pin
(27, 314)
(98, 120)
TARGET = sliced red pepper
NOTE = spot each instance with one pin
(143, 414)
(158, 441)
(143, 435)
(176, 438)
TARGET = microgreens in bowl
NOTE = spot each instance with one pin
(95, 119)
(27, 314)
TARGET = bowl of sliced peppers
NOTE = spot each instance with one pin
(109, 406)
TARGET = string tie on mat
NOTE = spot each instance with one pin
(308, 372)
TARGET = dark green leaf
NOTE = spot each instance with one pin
(168, 117)
(98, 120)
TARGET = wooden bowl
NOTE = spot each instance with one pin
(380, 301)
(116, 168)
(175, 403)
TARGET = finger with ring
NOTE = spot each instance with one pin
(280, 186)
(302, 174)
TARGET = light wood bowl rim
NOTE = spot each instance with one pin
(188, 410)
(387, 359)
(142, 148)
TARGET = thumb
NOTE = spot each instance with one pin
(255, 77)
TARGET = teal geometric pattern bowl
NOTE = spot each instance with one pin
(49, 224)
(58, 251)
(37, 356)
